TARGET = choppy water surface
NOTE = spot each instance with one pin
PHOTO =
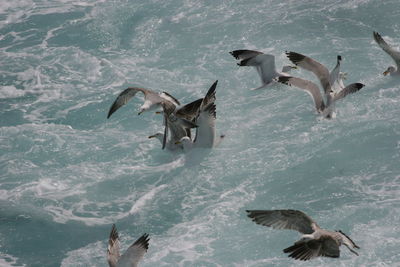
(68, 173)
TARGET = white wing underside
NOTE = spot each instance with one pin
(205, 132)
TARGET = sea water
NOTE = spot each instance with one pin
(67, 173)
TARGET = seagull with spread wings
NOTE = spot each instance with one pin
(151, 99)
(132, 255)
(315, 241)
(264, 64)
(325, 78)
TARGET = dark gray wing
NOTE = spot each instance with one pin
(124, 97)
(387, 48)
(113, 247)
(307, 86)
(312, 65)
(189, 111)
(352, 88)
(244, 54)
(283, 219)
(135, 252)
(325, 246)
(210, 96)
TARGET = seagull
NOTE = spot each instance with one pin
(132, 255)
(151, 99)
(315, 241)
(177, 124)
(205, 121)
(264, 63)
(325, 78)
(393, 53)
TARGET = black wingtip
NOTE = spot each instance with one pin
(114, 232)
(295, 57)
(359, 85)
(284, 80)
(143, 241)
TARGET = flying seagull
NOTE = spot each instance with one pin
(315, 241)
(325, 78)
(151, 99)
(205, 121)
(132, 255)
(264, 63)
(393, 53)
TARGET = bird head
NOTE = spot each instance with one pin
(389, 70)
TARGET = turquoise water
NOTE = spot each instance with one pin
(67, 173)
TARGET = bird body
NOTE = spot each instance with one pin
(132, 255)
(326, 79)
(315, 241)
(264, 64)
(152, 99)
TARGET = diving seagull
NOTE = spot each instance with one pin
(322, 73)
(205, 121)
(264, 63)
(177, 124)
(151, 99)
(393, 53)
(132, 255)
(315, 241)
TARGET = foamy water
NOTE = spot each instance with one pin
(68, 173)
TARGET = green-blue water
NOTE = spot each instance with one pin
(67, 173)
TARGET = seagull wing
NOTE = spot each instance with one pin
(205, 132)
(244, 54)
(283, 219)
(312, 65)
(308, 86)
(189, 111)
(334, 75)
(352, 88)
(210, 96)
(135, 252)
(113, 247)
(125, 96)
(304, 250)
(387, 48)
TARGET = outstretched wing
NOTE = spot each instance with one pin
(283, 219)
(312, 65)
(113, 247)
(124, 97)
(387, 48)
(325, 246)
(307, 86)
(135, 252)
(352, 88)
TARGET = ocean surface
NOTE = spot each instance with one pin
(67, 173)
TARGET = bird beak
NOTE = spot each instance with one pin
(140, 113)
(178, 142)
(386, 72)
(151, 136)
(294, 67)
(158, 112)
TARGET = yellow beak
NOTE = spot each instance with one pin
(386, 73)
